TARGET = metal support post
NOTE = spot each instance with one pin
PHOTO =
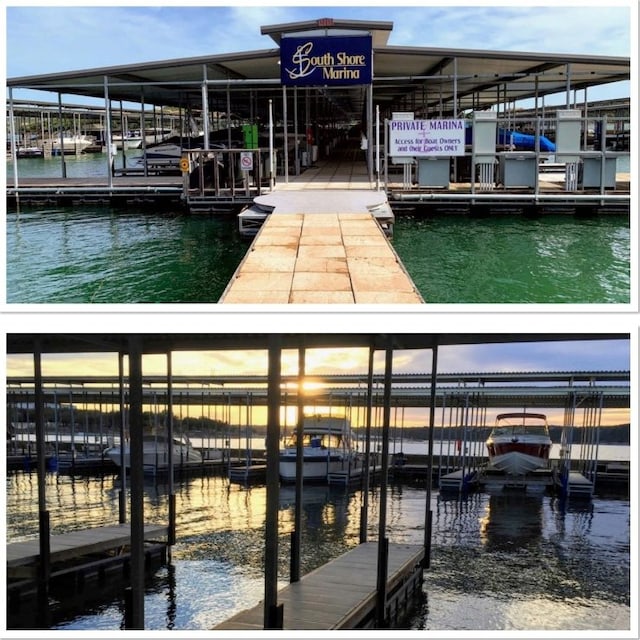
(383, 543)
(273, 483)
(137, 482)
(296, 535)
(432, 410)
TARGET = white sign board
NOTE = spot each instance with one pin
(420, 138)
(246, 160)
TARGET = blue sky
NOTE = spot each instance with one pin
(46, 39)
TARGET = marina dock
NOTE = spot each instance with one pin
(321, 258)
(370, 586)
(322, 237)
(151, 189)
(22, 557)
(82, 565)
(342, 593)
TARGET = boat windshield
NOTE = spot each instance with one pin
(316, 440)
(520, 429)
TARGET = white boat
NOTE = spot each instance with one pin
(166, 153)
(155, 452)
(70, 143)
(328, 446)
(133, 139)
(130, 140)
(169, 153)
(519, 443)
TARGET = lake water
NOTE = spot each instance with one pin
(499, 562)
(239, 445)
(97, 254)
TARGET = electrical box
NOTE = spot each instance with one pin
(434, 172)
(592, 172)
(484, 137)
(518, 169)
(568, 134)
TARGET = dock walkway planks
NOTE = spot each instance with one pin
(338, 595)
(66, 546)
(321, 258)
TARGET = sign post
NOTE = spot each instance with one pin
(246, 164)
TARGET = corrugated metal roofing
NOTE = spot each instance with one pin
(403, 76)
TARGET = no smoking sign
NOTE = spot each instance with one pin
(246, 161)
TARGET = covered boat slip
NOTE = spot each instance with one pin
(426, 84)
(397, 575)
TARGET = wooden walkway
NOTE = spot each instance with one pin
(339, 595)
(22, 557)
(321, 258)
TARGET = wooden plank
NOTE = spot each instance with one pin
(336, 595)
(77, 543)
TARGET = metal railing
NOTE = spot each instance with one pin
(226, 172)
(589, 176)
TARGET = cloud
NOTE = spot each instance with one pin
(47, 39)
(539, 356)
(569, 29)
(597, 355)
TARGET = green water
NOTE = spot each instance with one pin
(96, 254)
(514, 259)
(103, 255)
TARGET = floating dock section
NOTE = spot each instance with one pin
(323, 247)
(23, 557)
(83, 563)
(342, 594)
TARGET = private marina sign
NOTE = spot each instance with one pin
(331, 60)
(426, 138)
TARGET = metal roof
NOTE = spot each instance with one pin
(464, 380)
(405, 78)
(162, 343)
(609, 396)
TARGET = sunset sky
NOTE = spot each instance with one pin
(512, 357)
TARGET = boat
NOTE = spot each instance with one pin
(519, 443)
(71, 144)
(155, 452)
(133, 139)
(130, 140)
(30, 152)
(168, 153)
(328, 446)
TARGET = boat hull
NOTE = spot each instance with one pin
(314, 468)
(157, 458)
(70, 145)
(519, 458)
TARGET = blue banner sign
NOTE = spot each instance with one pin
(331, 60)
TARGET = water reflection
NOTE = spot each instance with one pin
(495, 560)
(511, 519)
